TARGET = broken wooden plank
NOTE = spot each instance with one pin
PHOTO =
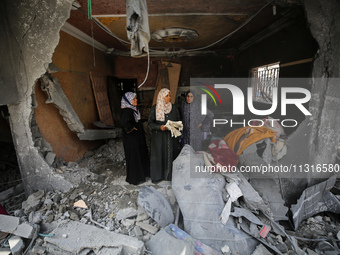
(99, 85)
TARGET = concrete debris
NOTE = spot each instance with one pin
(33, 202)
(315, 199)
(224, 217)
(91, 238)
(226, 250)
(57, 96)
(151, 229)
(156, 205)
(117, 214)
(11, 192)
(173, 245)
(16, 244)
(5, 251)
(199, 195)
(241, 212)
(142, 215)
(126, 213)
(10, 224)
(50, 157)
(261, 250)
(269, 190)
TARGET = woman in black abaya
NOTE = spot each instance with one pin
(136, 152)
(163, 145)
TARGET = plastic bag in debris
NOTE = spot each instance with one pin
(199, 195)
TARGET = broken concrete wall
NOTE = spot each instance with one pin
(34, 26)
(323, 17)
(73, 77)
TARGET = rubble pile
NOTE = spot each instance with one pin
(196, 213)
(111, 208)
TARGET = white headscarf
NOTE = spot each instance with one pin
(161, 107)
(127, 103)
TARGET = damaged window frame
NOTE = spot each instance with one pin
(263, 79)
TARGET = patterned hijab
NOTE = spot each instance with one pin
(127, 103)
(161, 107)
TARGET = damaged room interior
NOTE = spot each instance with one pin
(263, 74)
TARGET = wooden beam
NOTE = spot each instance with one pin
(298, 62)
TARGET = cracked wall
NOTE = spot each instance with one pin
(323, 17)
(34, 26)
(74, 59)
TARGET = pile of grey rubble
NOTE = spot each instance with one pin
(106, 215)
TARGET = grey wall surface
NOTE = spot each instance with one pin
(323, 17)
(33, 27)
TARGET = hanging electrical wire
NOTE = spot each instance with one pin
(147, 71)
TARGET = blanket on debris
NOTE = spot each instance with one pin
(241, 138)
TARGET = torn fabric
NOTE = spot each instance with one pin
(137, 26)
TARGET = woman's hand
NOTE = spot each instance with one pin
(164, 128)
(132, 130)
(199, 125)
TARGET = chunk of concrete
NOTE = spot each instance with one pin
(33, 202)
(126, 213)
(5, 251)
(261, 250)
(50, 157)
(8, 224)
(151, 229)
(16, 244)
(156, 205)
(38, 250)
(142, 215)
(25, 230)
(82, 236)
(162, 239)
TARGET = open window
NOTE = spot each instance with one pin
(263, 79)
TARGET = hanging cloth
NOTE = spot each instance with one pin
(137, 26)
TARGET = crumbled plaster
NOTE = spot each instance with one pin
(35, 25)
(323, 19)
